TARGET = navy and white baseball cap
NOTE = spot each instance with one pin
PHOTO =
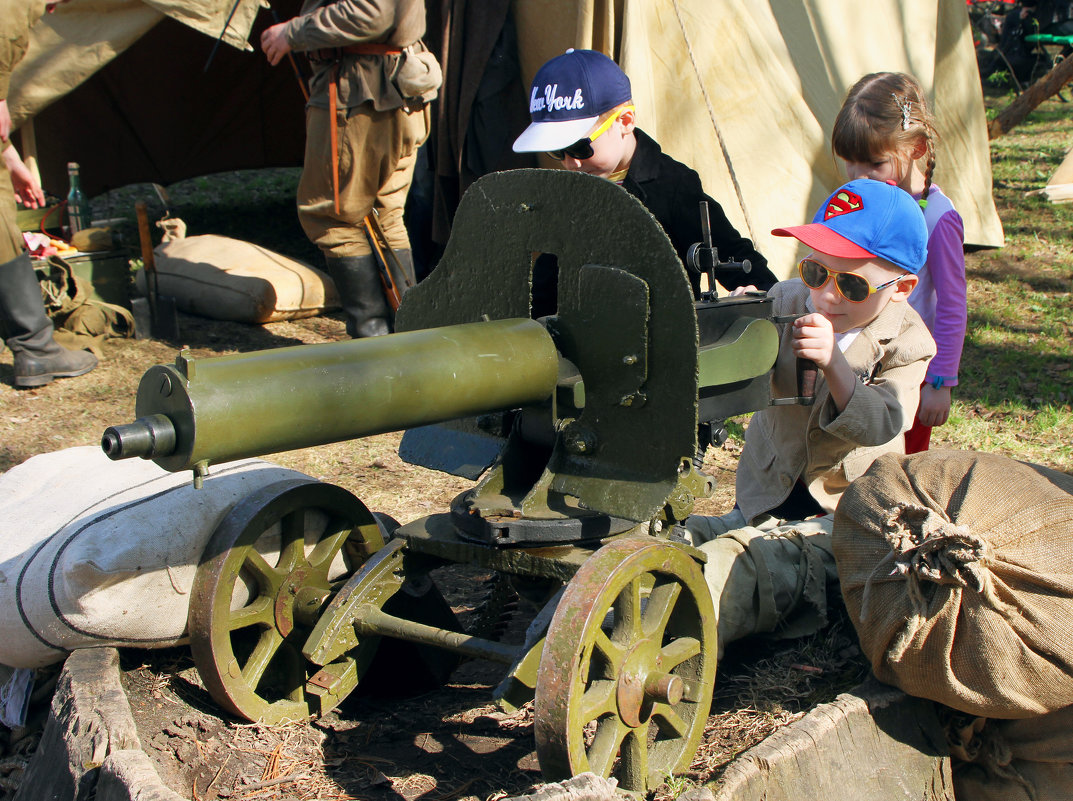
(864, 219)
(569, 94)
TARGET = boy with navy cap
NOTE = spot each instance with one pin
(582, 114)
(868, 242)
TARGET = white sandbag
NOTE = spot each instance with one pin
(228, 279)
(95, 552)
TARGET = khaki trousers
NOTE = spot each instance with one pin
(377, 153)
(769, 579)
(11, 242)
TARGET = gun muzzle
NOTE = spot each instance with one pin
(146, 437)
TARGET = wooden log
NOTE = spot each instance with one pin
(1050, 84)
(90, 718)
(583, 787)
(873, 743)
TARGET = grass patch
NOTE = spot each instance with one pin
(1016, 390)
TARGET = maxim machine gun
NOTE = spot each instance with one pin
(581, 428)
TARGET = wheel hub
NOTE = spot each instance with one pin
(634, 706)
(299, 600)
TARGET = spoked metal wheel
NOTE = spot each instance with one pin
(628, 667)
(269, 569)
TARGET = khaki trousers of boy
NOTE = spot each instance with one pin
(769, 579)
(377, 153)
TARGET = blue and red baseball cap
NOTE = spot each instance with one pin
(867, 219)
(569, 94)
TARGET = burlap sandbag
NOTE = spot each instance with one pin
(957, 569)
(228, 279)
(1013, 760)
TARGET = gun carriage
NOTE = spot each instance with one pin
(579, 430)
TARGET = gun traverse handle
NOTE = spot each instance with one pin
(806, 381)
(807, 372)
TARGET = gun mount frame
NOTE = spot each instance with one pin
(582, 427)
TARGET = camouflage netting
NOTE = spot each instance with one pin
(957, 569)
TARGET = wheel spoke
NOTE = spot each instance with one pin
(671, 725)
(267, 645)
(633, 760)
(292, 540)
(599, 699)
(660, 607)
(612, 654)
(259, 612)
(294, 669)
(335, 536)
(627, 606)
(266, 576)
(605, 745)
(678, 651)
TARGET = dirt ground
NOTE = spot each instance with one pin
(448, 743)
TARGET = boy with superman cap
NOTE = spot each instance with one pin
(868, 242)
(582, 114)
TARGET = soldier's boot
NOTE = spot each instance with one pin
(28, 330)
(361, 295)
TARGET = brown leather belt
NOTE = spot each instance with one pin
(336, 54)
(364, 49)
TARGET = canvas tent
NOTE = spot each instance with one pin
(121, 87)
(745, 91)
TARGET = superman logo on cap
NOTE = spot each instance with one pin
(842, 202)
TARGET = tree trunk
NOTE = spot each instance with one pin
(1049, 84)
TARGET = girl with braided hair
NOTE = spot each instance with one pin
(885, 131)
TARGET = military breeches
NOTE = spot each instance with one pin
(377, 152)
(11, 243)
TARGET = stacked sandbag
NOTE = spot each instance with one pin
(957, 570)
(229, 279)
(95, 552)
(1013, 760)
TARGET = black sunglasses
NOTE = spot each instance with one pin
(582, 148)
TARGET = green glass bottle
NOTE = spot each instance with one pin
(77, 204)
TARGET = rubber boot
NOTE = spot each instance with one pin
(361, 294)
(28, 330)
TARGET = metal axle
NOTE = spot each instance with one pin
(372, 621)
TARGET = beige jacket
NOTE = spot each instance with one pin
(823, 447)
(326, 24)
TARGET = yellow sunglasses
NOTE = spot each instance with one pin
(582, 148)
(854, 288)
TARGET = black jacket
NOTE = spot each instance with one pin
(672, 192)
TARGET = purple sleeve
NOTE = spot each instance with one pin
(946, 263)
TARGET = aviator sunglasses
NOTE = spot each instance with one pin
(854, 288)
(582, 148)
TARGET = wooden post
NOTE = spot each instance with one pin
(1049, 84)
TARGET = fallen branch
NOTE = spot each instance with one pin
(249, 788)
(1047, 86)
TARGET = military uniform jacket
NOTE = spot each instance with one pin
(324, 25)
(672, 192)
(825, 448)
(16, 19)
